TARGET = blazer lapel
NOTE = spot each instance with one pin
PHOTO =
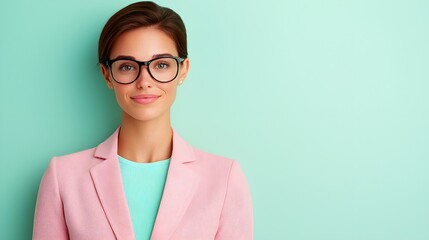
(108, 183)
(179, 189)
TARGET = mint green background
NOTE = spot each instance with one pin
(324, 104)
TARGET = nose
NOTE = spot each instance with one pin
(144, 80)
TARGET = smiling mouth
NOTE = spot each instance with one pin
(145, 99)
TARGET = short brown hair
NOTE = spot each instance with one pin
(142, 14)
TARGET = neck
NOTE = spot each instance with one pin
(145, 141)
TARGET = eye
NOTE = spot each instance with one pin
(126, 67)
(161, 65)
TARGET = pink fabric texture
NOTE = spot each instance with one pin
(81, 197)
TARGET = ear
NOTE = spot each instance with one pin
(184, 68)
(106, 75)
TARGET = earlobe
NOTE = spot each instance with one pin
(184, 71)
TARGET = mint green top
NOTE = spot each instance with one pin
(143, 185)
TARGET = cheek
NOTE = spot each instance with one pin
(120, 94)
(170, 91)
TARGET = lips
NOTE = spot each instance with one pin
(145, 98)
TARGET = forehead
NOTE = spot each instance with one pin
(143, 43)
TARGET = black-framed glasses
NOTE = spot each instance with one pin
(161, 69)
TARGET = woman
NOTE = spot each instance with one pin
(145, 181)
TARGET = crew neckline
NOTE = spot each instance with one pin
(142, 164)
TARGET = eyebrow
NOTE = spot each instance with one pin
(162, 55)
(153, 56)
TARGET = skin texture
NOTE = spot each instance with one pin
(146, 134)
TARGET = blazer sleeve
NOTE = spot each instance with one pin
(236, 221)
(49, 221)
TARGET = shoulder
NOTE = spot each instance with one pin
(213, 160)
(222, 178)
(69, 173)
(201, 161)
(74, 162)
(218, 167)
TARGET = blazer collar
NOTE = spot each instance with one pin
(179, 188)
(182, 151)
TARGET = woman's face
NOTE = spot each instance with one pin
(144, 44)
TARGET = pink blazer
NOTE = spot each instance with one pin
(81, 197)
